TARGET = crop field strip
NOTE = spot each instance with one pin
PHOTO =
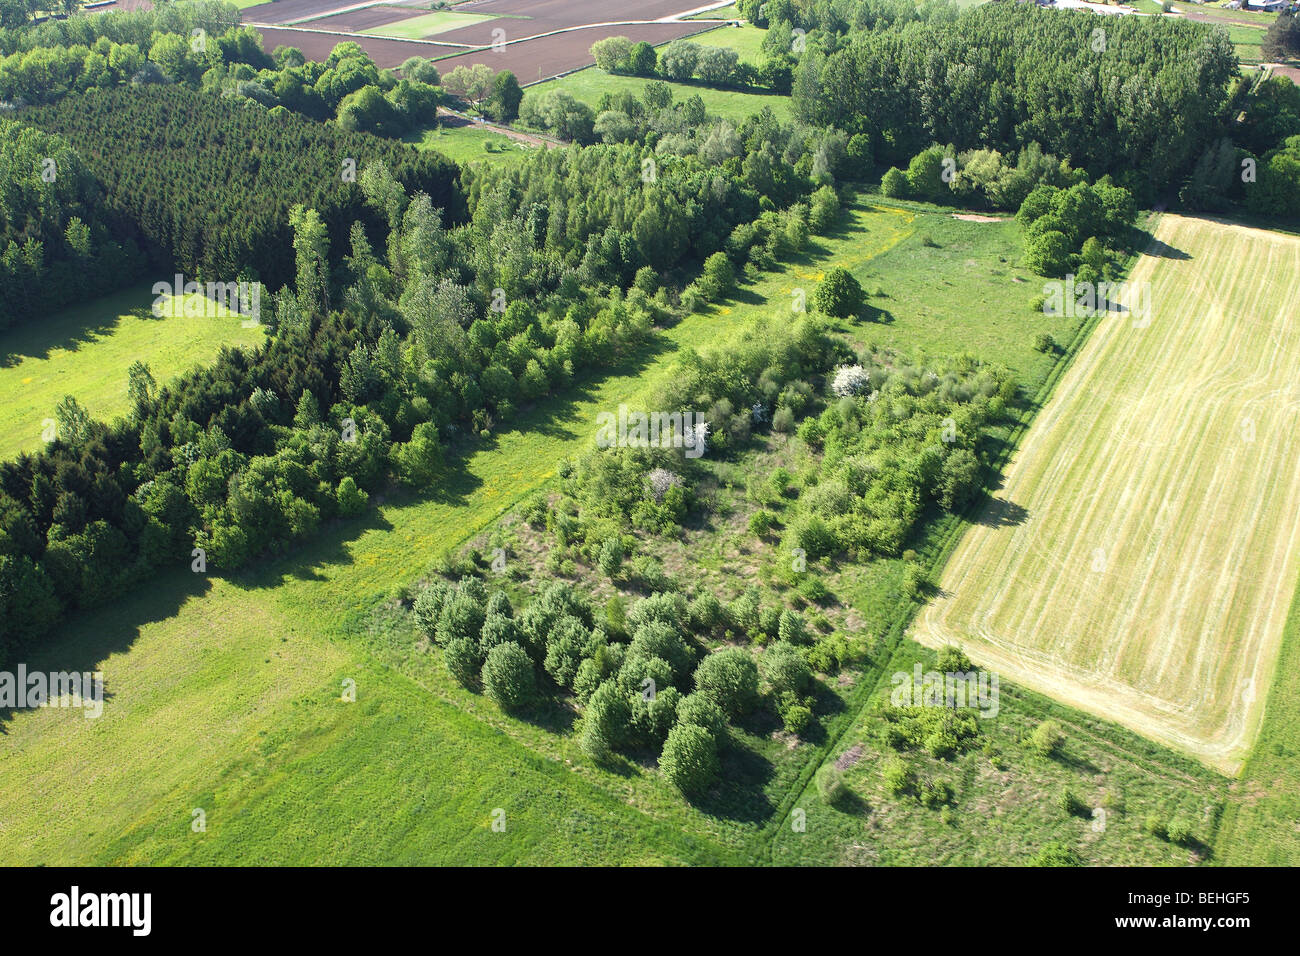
(387, 53)
(541, 41)
(541, 58)
(1151, 575)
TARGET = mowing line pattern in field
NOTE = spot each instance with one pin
(1140, 559)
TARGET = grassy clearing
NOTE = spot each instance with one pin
(470, 144)
(1140, 558)
(746, 40)
(591, 84)
(428, 25)
(1004, 803)
(85, 351)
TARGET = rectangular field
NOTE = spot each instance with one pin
(591, 84)
(1140, 559)
(316, 45)
(424, 26)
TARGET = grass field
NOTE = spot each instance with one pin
(591, 84)
(470, 144)
(746, 40)
(1140, 559)
(427, 25)
(85, 352)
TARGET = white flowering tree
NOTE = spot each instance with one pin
(660, 480)
(850, 380)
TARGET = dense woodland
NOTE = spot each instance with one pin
(206, 185)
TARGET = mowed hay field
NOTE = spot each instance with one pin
(1140, 559)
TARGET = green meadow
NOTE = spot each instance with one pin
(591, 84)
(746, 40)
(427, 25)
(84, 351)
(470, 144)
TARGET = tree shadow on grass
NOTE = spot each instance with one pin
(37, 340)
(1163, 250)
(550, 713)
(1081, 764)
(739, 793)
(84, 641)
(1001, 513)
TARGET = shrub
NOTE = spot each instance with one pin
(606, 721)
(461, 617)
(1179, 830)
(839, 294)
(498, 629)
(611, 556)
(508, 677)
(652, 718)
(760, 522)
(894, 183)
(814, 590)
(850, 380)
(464, 659)
(790, 628)
(1047, 738)
(657, 639)
(1048, 253)
(702, 710)
(898, 777)
(785, 669)
(1044, 342)
(1070, 803)
(730, 676)
(935, 794)
(824, 209)
(706, 613)
(351, 499)
(795, 712)
(718, 277)
(1056, 854)
(690, 758)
